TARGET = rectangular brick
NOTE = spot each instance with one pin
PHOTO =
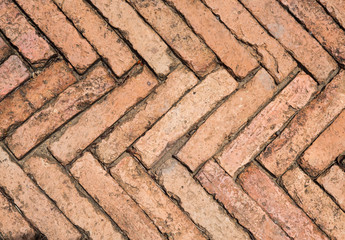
(39, 210)
(146, 114)
(248, 213)
(227, 119)
(199, 205)
(293, 37)
(5, 50)
(315, 203)
(191, 108)
(113, 199)
(304, 127)
(251, 140)
(336, 8)
(61, 32)
(164, 213)
(85, 129)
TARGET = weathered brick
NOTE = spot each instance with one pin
(82, 131)
(248, 144)
(142, 37)
(336, 8)
(181, 118)
(315, 202)
(238, 203)
(108, 194)
(23, 35)
(39, 210)
(99, 33)
(200, 206)
(227, 119)
(325, 148)
(56, 183)
(144, 116)
(164, 213)
(278, 204)
(5, 50)
(293, 37)
(305, 126)
(12, 73)
(61, 32)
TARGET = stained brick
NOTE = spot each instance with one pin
(5, 50)
(336, 8)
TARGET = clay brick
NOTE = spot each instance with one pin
(100, 35)
(85, 129)
(200, 206)
(12, 73)
(293, 37)
(304, 127)
(325, 149)
(250, 141)
(113, 199)
(24, 36)
(39, 210)
(164, 213)
(274, 57)
(315, 203)
(191, 108)
(61, 32)
(227, 119)
(142, 37)
(238, 203)
(56, 183)
(145, 115)
(5, 50)
(336, 8)
(278, 205)
(12, 224)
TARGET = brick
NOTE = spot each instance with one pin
(107, 43)
(217, 36)
(164, 213)
(24, 36)
(144, 116)
(56, 182)
(315, 203)
(274, 57)
(5, 50)
(325, 149)
(336, 8)
(61, 32)
(248, 213)
(191, 108)
(12, 224)
(278, 204)
(142, 37)
(85, 129)
(334, 183)
(193, 199)
(251, 140)
(113, 199)
(293, 37)
(227, 119)
(12, 73)
(38, 209)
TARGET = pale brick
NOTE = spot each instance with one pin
(336, 8)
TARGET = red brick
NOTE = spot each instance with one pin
(251, 140)
(100, 35)
(293, 37)
(315, 203)
(12, 73)
(191, 108)
(24, 36)
(144, 116)
(61, 32)
(238, 203)
(304, 127)
(336, 8)
(278, 205)
(5, 50)
(76, 205)
(109, 195)
(38, 209)
(164, 213)
(227, 119)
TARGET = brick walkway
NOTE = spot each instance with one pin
(172, 119)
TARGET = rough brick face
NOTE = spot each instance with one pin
(336, 8)
(5, 50)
